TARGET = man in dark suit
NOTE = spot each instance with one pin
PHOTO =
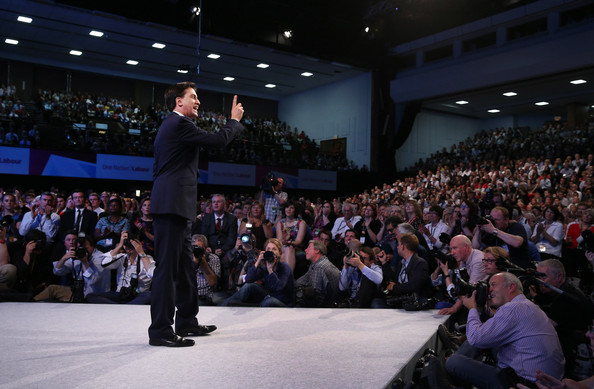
(173, 206)
(79, 219)
(219, 227)
(411, 274)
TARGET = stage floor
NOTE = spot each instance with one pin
(53, 345)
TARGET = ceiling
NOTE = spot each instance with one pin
(328, 41)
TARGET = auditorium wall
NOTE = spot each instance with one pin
(339, 110)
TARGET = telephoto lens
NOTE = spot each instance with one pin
(269, 256)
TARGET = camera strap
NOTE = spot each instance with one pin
(75, 274)
(126, 268)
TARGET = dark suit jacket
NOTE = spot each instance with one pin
(226, 237)
(175, 172)
(418, 278)
(69, 218)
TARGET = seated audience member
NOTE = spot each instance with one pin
(134, 274)
(495, 260)
(465, 217)
(346, 222)
(360, 278)
(142, 226)
(414, 213)
(257, 225)
(507, 234)
(467, 258)
(571, 311)
(290, 231)
(11, 208)
(80, 218)
(109, 228)
(369, 226)
(324, 219)
(84, 264)
(319, 286)
(219, 227)
(519, 333)
(95, 202)
(432, 231)
(548, 234)
(42, 217)
(575, 230)
(333, 249)
(8, 271)
(34, 270)
(411, 274)
(276, 287)
(208, 269)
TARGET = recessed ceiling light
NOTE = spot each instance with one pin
(270, 86)
(214, 56)
(288, 34)
(263, 65)
(182, 71)
(158, 45)
(577, 82)
(98, 34)
(510, 94)
(229, 78)
(366, 29)
(493, 111)
(540, 103)
(24, 19)
(307, 74)
(132, 62)
(462, 102)
(11, 41)
(75, 52)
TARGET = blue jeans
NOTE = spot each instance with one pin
(462, 366)
(254, 293)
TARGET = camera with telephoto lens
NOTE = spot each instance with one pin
(481, 221)
(6, 221)
(269, 256)
(445, 258)
(198, 252)
(269, 182)
(80, 251)
(128, 293)
(245, 238)
(127, 244)
(445, 238)
(464, 288)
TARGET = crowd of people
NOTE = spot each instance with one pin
(132, 129)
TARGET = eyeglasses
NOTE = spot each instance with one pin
(464, 206)
(489, 260)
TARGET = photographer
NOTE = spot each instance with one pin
(276, 287)
(8, 272)
(31, 258)
(360, 277)
(135, 274)
(208, 269)
(272, 196)
(570, 310)
(83, 262)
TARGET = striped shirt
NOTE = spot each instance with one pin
(521, 335)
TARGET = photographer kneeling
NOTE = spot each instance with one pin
(135, 274)
(208, 269)
(360, 277)
(276, 277)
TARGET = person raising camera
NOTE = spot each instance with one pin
(208, 269)
(134, 274)
(360, 277)
(277, 285)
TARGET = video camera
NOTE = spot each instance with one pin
(268, 183)
(6, 221)
(445, 259)
(588, 243)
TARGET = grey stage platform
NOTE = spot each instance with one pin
(46, 345)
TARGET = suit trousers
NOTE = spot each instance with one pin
(174, 280)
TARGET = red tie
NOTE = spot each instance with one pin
(218, 226)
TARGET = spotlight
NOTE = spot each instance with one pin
(288, 34)
(366, 29)
(195, 10)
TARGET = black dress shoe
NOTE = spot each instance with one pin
(199, 330)
(175, 341)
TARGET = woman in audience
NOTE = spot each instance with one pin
(575, 230)
(548, 234)
(325, 218)
(368, 227)
(142, 227)
(109, 228)
(290, 231)
(258, 225)
(414, 213)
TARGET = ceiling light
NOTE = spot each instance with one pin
(510, 94)
(98, 34)
(540, 103)
(263, 65)
(493, 111)
(229, 78)
(577, 82)
(270, 86)
(288, 34)
(24, 19)
(11, 41)
(157, 45)
(462, 102)
(75, 52)
(307, 74)
(182, 71)
(214, 56)
(195, 10)
(366, 29)
(132, 62)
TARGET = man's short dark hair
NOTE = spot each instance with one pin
(410, 241)
(78, 191)
(176, 90)
(393, 221)
(437, 209)
(353, 231)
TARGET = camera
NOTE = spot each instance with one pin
(465, 288)
(127, 244)
(269, 256)
(80, 252)
(445, 238)
(481, 221)
(245, 238)
(445, 258)
(128, 293)
(588, 243)
(6, 221)
(269, 182)
(198, 252)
